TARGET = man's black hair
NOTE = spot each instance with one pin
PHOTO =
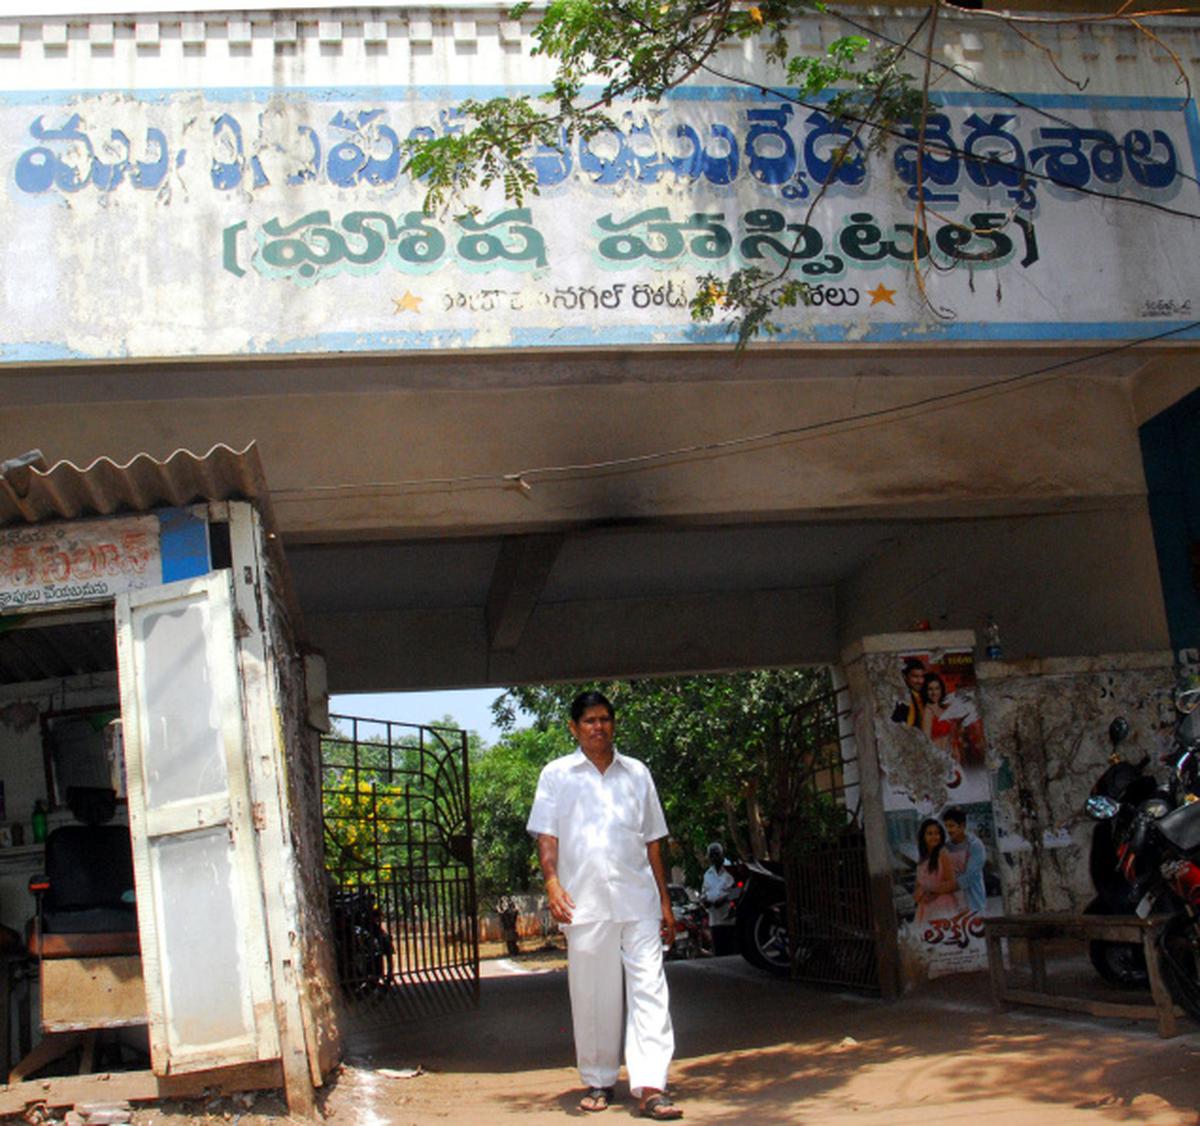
(592, 699)
(956, 814)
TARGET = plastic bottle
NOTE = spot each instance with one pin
(39, 822)
(992, 631)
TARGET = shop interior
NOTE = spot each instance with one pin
(70, 983)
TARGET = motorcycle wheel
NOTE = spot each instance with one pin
(1179, 958)
(1119, 963)
(763, 937)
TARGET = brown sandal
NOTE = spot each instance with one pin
(660, 1109)
(596, 1099)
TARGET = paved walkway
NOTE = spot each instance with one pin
(752, 1049)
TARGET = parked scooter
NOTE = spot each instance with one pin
(363, 947)
(1150, 838)
(693, 939)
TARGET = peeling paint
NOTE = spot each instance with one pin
(1047, 731)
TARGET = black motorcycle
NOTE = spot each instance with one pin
(1146, 856)
(761, 917)
(363, 947)
(1115, 799)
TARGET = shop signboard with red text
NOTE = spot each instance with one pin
(77, 561)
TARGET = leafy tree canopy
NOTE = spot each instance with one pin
(503, 780)
(611, 52)
(608, 52)
(712, 743)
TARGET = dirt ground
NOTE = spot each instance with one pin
(751, 1049)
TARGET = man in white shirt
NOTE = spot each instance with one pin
(599, 828)
(718, 893)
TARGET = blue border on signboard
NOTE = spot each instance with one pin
(643, 335)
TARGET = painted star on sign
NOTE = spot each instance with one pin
(881, 295)
(409, 303)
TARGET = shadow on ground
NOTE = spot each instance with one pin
(754, 1049)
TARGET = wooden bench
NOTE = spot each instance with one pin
(1037, 929)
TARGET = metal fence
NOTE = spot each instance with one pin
(398, 851)
(825, 864)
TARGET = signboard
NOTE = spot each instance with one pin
(77, 561)
(263, 221)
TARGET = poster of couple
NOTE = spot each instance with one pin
(940, 700)
(939, 812)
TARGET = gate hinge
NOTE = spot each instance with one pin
(258, 814)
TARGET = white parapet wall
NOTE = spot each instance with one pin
(225, 183)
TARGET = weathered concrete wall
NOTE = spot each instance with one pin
(318, 971)
(578, 640)
(303, 891)
(1047, 725)
(428, 430)
(1057, 584)
(366, 458)
(1043, 725)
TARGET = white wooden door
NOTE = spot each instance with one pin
(200, 904)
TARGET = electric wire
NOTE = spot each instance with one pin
(525, 478)
(984, 87)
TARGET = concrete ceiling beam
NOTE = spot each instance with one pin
(522, 567)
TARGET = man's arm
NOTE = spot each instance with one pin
(561, 903)
(654, 855)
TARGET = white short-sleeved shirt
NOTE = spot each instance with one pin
(603, 823)
(718, 885)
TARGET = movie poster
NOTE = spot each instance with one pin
(940, 820)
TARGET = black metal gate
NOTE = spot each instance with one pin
(830, 923)
(398, 851)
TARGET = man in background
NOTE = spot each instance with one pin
(718, 893)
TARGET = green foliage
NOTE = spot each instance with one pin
(640, 50)
(503, 781)
(353, 812)
(372, 792)
(492, 149)
(749, 297)
(878, 99)
(713, 743)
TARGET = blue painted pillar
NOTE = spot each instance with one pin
(1171, 456)
(183, 540)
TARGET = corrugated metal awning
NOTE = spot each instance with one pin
(31, 493)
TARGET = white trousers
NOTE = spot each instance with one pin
(596, 955)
